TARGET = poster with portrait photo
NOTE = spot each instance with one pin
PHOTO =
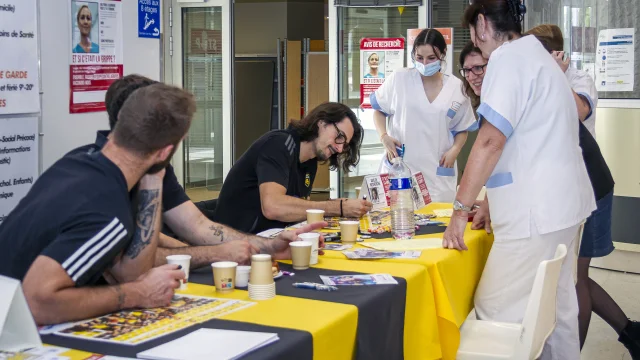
(85, 17)
(96, 54)
(379, 58)
(372, 65)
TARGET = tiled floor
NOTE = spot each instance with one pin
(602, 342)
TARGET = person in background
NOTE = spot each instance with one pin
(76, 224)
(204, 240)
(84, 19)
(374, 66)
(596, 239)
(527, 153)
(270, 185)
(428, 113)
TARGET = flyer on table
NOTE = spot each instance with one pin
(96, 52)
(19, 85)
(371, 279)
(380, 58)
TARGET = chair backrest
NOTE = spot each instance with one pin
(540, 316)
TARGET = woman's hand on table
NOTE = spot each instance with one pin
(454, 235)
(482, 219)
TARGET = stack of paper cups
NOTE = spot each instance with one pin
(314, 239)
(261, 284)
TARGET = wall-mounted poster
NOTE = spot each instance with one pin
(380, 58)
(19, 91)
(615, 60)
(96, 52)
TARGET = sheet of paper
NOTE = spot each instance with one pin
(403, 245)
(376, 254)
(443, 213)
(210, 344)
(371, 279)
(337, 247)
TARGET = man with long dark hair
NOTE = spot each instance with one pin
(270, 185)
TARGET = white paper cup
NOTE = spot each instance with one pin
(314, 238)
(315, 215)
(262, 292)
(301, 254)
(185, 262)
(242, 276)
(224, 275)
(349, 231)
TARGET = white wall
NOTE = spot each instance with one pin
(64, 131)
(258, 25)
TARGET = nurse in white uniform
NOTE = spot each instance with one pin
(527, 154)
(428, 113)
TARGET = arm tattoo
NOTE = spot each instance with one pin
(121, 297)
(217, 231)
(148, 203)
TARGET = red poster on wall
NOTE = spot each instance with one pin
(96, 52)
(379, 59)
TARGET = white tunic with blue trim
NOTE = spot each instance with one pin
(541, 175)
(425, 128)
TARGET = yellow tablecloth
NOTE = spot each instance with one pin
(332, 325)
(454, 277)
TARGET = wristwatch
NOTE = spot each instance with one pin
(457, 206)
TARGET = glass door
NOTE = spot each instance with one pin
(351, 24)
(201, 64)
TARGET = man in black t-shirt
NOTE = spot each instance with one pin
(210, 242)
(76, 223)
(270, 185)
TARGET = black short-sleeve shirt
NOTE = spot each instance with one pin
(77, 213)
(275, 157)
(599, 173)
(173, 194)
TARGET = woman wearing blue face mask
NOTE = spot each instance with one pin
(426, 111)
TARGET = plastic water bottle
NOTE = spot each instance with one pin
(402, 220)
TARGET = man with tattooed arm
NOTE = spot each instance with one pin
(206, 241)
(76, 223)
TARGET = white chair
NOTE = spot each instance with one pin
(495, 340)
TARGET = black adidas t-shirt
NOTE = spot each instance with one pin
(275, 157)
(173, 194)
(77, 213)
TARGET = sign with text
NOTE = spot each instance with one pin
(18, 160)
(149, 19)
(615, 60)
(96, 52)
(19, 89)
(380, 58)
(205, 41)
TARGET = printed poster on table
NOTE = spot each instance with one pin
(96, 52)
(376, 188)
(380, 58)
(615, 60)
(447, 33)
(19, 89)
(131, 327)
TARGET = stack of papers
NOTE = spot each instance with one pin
(210, 344)
(372, 279)
(403, 245)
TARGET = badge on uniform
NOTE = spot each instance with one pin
(307, 180)
(455, 106)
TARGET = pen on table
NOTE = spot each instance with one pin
(314, 286)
